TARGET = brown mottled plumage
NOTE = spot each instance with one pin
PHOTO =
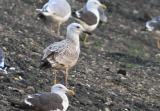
(63, 55)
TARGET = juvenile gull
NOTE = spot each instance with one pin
(154, 25)
(89, 16)
(64, 54)
(56, 100)
(56, 12)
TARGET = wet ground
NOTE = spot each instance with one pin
(119, 71)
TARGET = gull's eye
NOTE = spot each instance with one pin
(77, 27)
(60, 87)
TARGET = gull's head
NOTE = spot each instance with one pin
(75, 28)
(95, 4)
(59, 88)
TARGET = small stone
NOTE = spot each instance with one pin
(122, 71)
(30, 89)
(85, 101)
(157, 55)
(107, 109)
(6, 39)
(16, 89)
(135, 11)
(12, 68)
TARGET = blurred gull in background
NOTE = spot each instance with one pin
(154, 25)
(55, 12)
(90, 15)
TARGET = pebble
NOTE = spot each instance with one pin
(107, 109)
(30, 89)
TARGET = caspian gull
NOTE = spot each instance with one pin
(63, 55)
(55, 12)
(56, 100)
(89, 15)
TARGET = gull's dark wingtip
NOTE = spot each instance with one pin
(74, 14)
(44, 64)
(42, 17)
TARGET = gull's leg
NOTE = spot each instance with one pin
(85, 39)
(158, 44)
(53, 27)
(66, 77)
(55, 77)
(52, 30)
(58, 29)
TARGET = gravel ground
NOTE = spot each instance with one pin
(119, 71)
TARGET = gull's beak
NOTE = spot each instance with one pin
(70, 92)
(103, 6)
(86, 32)
(82, 28)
